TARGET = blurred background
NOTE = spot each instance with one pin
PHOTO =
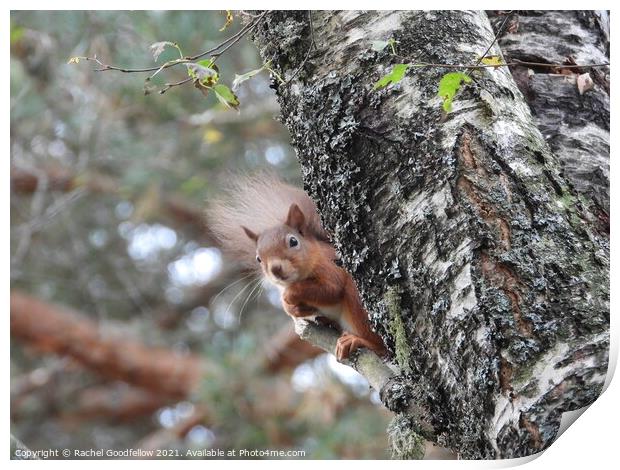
(129, 329)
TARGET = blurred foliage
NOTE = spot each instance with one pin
(113, 247)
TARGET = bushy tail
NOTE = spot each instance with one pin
(258, 202)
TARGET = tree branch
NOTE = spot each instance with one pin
(381, 377)
(365, 362)
(512, 63)
(215, 51)
(116, 402)
(54, 329)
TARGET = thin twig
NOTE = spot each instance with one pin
(167, 86)
(246, 30)
(497, 35)
(245, 13)
(562, 66)
(226, 44)
(508, 64)
(275, 74)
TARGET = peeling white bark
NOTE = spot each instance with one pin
(575, 126)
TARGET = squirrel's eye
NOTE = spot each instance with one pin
(293, 242)
(258, 259)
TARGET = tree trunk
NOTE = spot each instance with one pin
(575, 125)
(479, 263)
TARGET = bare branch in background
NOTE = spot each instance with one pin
(59, 179)
(54, 329)
(286, 350)
(116, 402)
(24, 181)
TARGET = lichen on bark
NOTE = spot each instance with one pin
(405, 442)
(397, 329)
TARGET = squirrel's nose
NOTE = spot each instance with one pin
(277, 272)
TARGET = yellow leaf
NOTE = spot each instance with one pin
(74, 60)
(229, 20)
(212, 136)
(492, 60)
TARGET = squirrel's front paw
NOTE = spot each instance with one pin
(349, 343)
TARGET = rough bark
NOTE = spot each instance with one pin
(575, 125)
(475, 257)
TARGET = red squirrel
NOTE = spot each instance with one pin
(268, 223)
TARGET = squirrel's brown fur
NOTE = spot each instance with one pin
(258, 202)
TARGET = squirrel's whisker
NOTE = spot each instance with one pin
(249, 284)
(230, 285)
(256, 286)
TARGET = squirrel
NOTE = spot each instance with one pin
(266, 223)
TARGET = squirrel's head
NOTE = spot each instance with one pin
(282, 251)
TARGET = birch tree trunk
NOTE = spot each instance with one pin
(575, 125)
(477, 260)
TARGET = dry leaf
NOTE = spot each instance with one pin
(513, 25)
(229, 20)
(584, 83)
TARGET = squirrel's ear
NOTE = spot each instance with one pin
(251, 235)
(295, 218)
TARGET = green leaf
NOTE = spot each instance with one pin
(208, 63)
(205, 75)
(448, 87)
(226, 96)
(239, 79)
(395, 76)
